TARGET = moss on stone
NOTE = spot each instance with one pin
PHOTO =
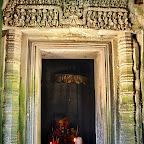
(140, 9)
(127, 99)
(139, 20)
(128, 107)
(22, 116)
(127, 86)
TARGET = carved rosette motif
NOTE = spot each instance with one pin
(126, 89)
(104, 14)
(11, 87)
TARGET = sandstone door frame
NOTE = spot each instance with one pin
(67, 49)
(35, 44)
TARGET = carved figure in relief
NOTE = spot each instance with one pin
(89, 20)
(39, 17)
(110, 22)
(100, 24)
(72, 20)
(33, 18)
(126, 23)
(5, 22)
(50, 18)
(99, 19)
(102, 20)
(55, 20)
(115, 21)
(22, 17)
(18, 12)
(79, 14)
(66, 14)
(16, 19)
(10, 18)
(105, 20)
(92, 17)
(44, 18)
(27, 21)
(96, 20)
(73, 13)
(6, 18)
(120, 21)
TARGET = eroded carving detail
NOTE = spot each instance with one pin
(108, 20)
(58, 13)
(126, 89)
(98, 3)
(11, 87)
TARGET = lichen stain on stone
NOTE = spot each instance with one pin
(22, 115)
(139, 17)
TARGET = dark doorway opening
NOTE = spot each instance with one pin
(55, 99)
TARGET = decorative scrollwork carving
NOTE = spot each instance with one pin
(70, 78)
(104, 14)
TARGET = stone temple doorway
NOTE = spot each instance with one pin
(34, 30)
(74, 100)
(109, 69)
(99, 53)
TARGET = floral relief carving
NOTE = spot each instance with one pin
(104, 14)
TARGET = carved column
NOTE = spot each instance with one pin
(126, 89)
(11, 88)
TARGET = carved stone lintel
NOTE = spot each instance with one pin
(77, 13)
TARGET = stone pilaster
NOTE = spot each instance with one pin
(126, 89)
(11, 88)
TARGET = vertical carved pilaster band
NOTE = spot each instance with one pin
(126, 89)
(11, 87)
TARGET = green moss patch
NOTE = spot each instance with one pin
(140, 9)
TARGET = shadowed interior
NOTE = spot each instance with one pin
(55, 98)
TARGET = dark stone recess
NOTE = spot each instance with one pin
(55, 98)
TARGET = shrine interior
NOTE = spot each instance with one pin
(73, 101)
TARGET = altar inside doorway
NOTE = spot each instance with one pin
(71, 101)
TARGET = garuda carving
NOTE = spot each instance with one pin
(98, 14)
